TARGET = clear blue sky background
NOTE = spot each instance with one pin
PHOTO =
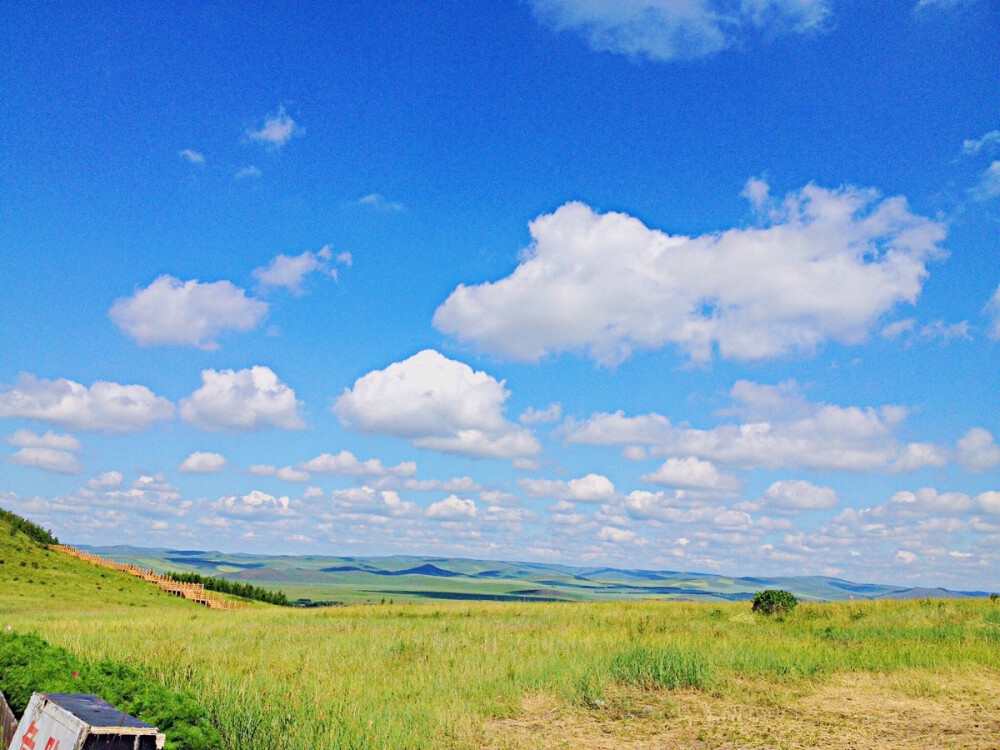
(724, 266)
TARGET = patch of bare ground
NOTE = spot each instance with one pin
(852, 711)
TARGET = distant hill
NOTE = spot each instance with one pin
(406, 578)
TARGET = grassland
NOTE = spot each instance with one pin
(918, 673)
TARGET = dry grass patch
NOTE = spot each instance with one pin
(956, 710)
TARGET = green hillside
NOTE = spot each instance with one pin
(351, 580)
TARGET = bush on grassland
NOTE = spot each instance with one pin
(771, 601)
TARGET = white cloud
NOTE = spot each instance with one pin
(290, 270)
(170, 311)
(827, 267)
(793, 495)
(988, 142)
(29, 439)
(692, 473)
(247, 399)
(782, 429)
(452, 508)
(105, 481)
(669, 29)
(277, 130)
(201, 462)
(262, 470)
(989, 502)
(367, 501)
(945, 332)
(616, 535)
(379, 202)
(292, 474)
(989, 183)
(977, 450)
(103, 407)
(436, 403)
(192, 156)
(904, 556)
(255, 499)
(897, 328)
(992, 309)
(591, 488)
(550, 413)
(757, 191)
(345, 464)
(246, 172)
(915, 456)
(455, 484)
(47, 459)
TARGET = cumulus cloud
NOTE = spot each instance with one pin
(591, 488)
(794, 495)
(191, 313)
(439, 404)
(453, 508)
(693, 474)
(915, 456)
(201, 462)
(669, 29)
(945, 332)
(277, 130)
(106, 480)
(254, 500)
(550, 413)
(29, 439)
(977, 451)
(828, 265)
(103, 407)
(345, 464)
(781, 428)
(455, 484)
(367, 501)
(248, 399)
(992, 309)
(47, 459)
(192, 156)
(289, 271)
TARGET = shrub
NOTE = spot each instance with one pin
(994, 597)
(28, 664)
(770, 601)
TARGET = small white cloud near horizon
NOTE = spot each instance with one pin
(692, 473)
(202, 462)
(188, 313)
(28, 439)
(438, 404)
(103, 407)
(277, 130)
(254, 500)
(453, 508)
(105, 480)
(796, 495)
(192, 156)
(249, 399)
(344, 463)
(826, 266)
(592, 488)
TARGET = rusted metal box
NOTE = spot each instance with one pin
(77, 721)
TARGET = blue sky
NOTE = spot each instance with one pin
(699, 285)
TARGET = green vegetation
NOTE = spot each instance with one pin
(772, 601)
(494, 674)
(16, 524)
(28, 664)
(235, 588)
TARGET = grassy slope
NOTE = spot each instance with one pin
(472, 675)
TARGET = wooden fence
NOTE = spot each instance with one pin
(196, 592)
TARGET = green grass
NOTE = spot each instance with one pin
(435, 675)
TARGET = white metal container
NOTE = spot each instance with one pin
(77, 721)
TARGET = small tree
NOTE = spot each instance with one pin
(994, 597)
(769, 601)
